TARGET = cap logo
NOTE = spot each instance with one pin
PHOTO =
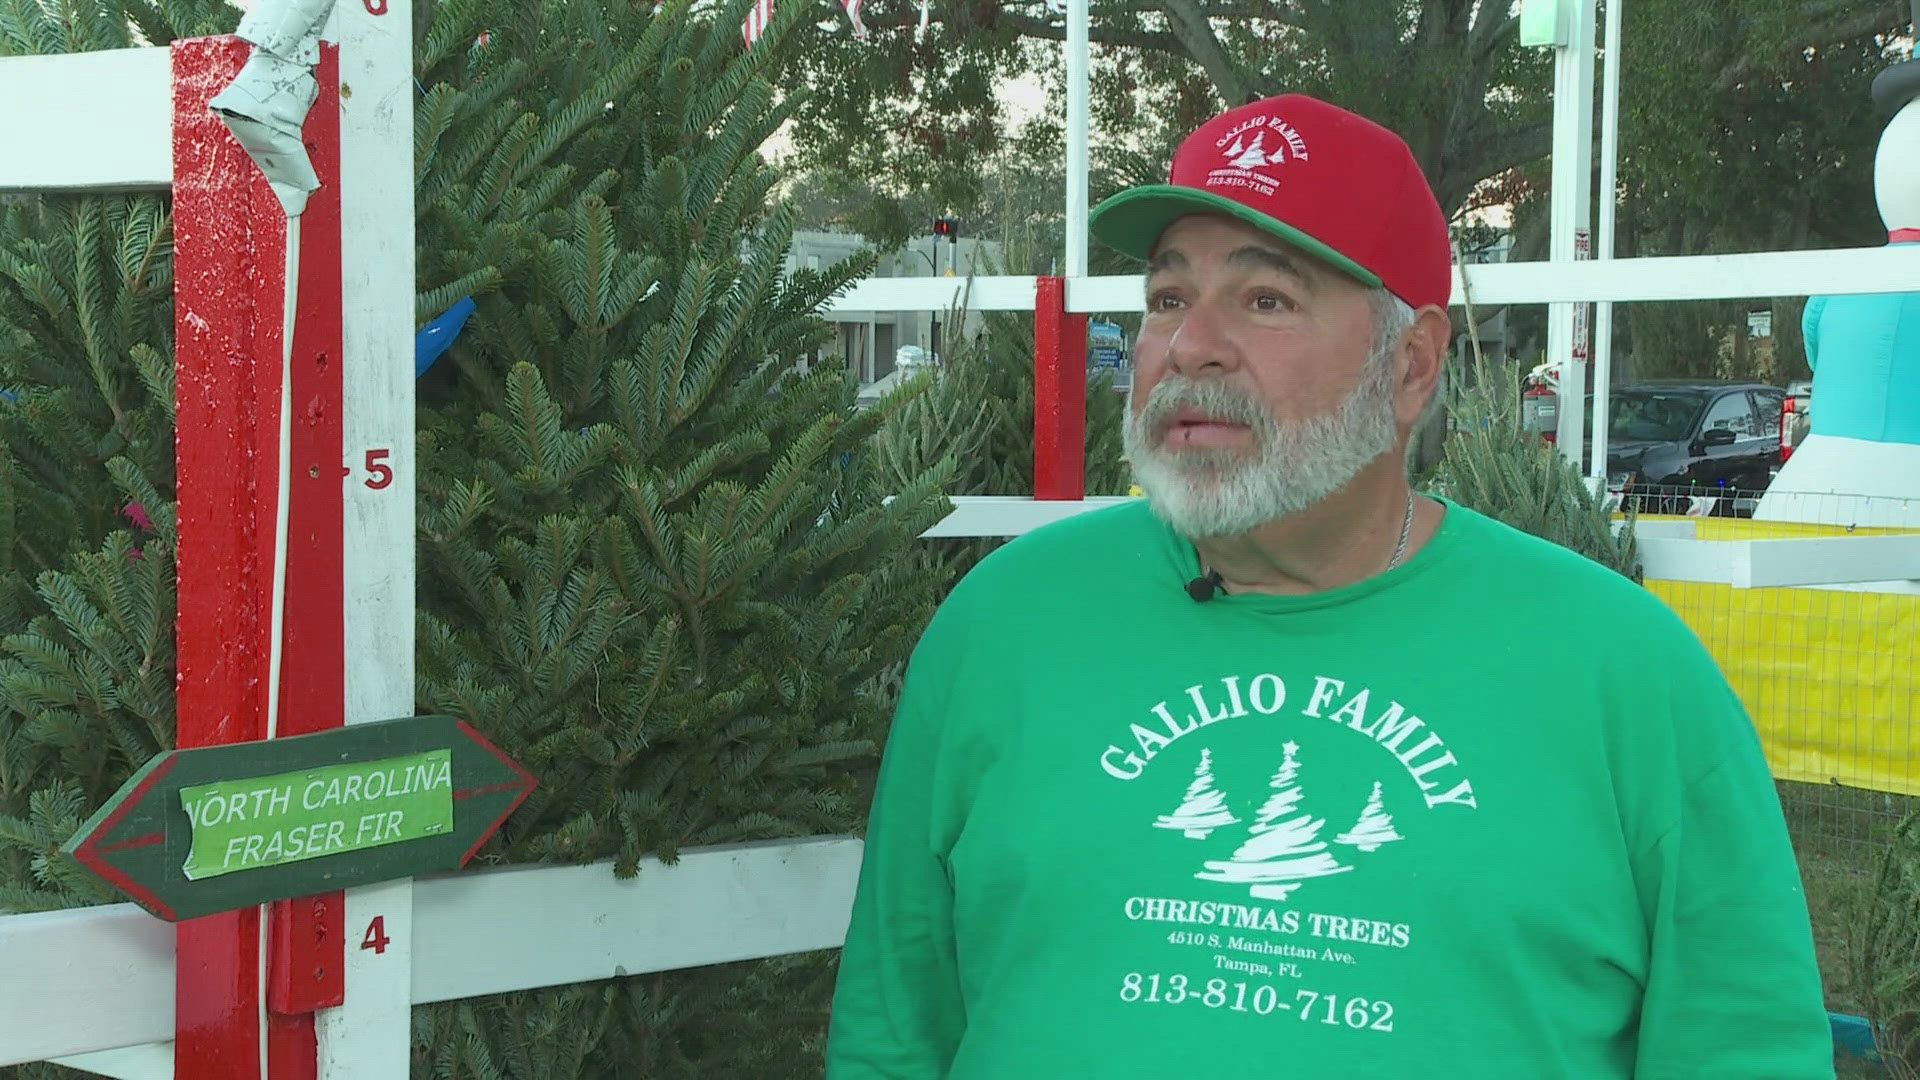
(1252, 151)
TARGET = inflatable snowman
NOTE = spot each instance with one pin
(1860, 465)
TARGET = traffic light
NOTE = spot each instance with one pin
(948, 227)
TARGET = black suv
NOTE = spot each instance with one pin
(1678, 437)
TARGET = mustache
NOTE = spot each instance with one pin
(1213, 397)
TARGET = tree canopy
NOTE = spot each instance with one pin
(918, 110)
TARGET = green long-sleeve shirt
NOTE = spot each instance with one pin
(1492, 814)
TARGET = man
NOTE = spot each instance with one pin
(1294, 773)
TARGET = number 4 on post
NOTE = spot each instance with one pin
(376, 937)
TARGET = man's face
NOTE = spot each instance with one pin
(1253, 394)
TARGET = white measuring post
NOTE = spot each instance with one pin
(368, 1036)
(1571, 202)
(1076, 57)
(1603, 311)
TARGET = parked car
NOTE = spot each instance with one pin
(1683, 438)
(913, 357)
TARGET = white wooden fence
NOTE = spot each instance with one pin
(94, 987)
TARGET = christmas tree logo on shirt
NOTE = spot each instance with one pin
(1204, 809)
(1283, 846)
(1374, 828)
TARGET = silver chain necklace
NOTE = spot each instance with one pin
(1399, 550)
(1406, 530)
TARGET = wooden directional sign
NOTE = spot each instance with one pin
(200, 831)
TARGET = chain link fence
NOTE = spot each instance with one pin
(1829, 671)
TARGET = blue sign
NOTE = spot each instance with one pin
(1106, 345)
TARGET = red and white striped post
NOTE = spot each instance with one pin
(280, 992)
(229, 252)
(368, 1036)
(1059, 394)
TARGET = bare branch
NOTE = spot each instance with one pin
(1275, 12)
(1105, 33)
(1028, 26)
(1287, 12)
(1487, 152)
(1490, 32)
(1444, 20)
(1191, 27)
(1835, 22)
(1256, 10)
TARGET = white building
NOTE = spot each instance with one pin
(870, 342)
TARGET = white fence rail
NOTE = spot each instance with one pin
(86, 979)
(1680, 277)
(1669, 550)
(102, 979)
(1803, 562)
(98, 121)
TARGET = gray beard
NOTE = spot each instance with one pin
(1207, 493)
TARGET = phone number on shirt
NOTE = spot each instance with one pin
(1354, 1012)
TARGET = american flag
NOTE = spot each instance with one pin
(761, 15)
(758, 18)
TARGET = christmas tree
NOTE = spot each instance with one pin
(1374, 828)
(657, 564)
(973, 413)
(1883, 949)
(1495, 464)
(86, 480)
(1204, 809)
(1280, 849)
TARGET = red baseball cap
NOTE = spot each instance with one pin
(1330, 182)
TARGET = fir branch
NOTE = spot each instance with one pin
(429, 304)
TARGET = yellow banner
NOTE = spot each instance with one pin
(1830, 676)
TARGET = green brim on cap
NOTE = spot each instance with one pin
(1132, 221)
